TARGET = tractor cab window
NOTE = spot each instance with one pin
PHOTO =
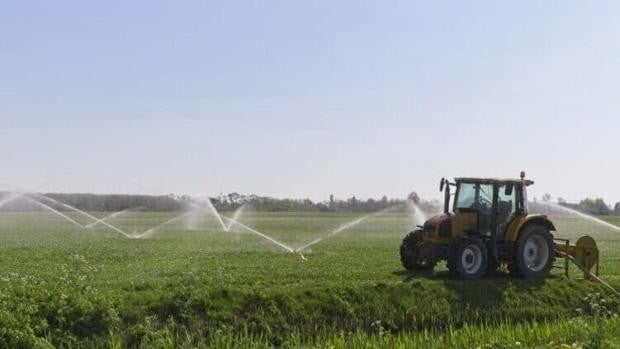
(475, 197)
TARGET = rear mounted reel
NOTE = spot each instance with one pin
(584, 254)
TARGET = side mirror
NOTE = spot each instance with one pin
(441, 184)
(508, 190)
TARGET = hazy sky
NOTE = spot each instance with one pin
(304, 99)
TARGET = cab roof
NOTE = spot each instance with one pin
(494, 180)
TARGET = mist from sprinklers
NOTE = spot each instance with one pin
(554, 208)
(263, 235)
(151, 231)
(43, 197)
(111, 216)
(236, 216)
(216, 214)
(570, 222)
(196, 209)
(417, 216)
(346, 226)
(46, 203)
(38, 200)
(191, 218)
(199, 207)
(234, 221)
(12, 197)
(225, 223)
(53, 210)
(17, 194)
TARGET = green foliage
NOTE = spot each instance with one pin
(596, 305)
(72, 288)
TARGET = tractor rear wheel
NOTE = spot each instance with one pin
(534, 253)
(414, 255)
(470, 260)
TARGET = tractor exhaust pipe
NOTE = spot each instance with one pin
(446, 194)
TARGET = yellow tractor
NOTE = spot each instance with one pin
(489, 225)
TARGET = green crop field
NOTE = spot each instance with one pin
(191, 284)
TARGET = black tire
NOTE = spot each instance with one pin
(534, 253)
(470, 259)
(412, 253)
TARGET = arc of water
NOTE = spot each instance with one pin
(110, 216)
(83, 213)
(14, 195)
(234, 221)
(583, 215)
(336, 231)
(235, 216)
(11, 197)
(344, 227)
(417, 215)
(37, 202)
(216, 214)
(252, 230)
(152, 230)
(210, 206)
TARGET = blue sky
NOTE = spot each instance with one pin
(304, 99)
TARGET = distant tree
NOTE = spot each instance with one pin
(413, 196)
(617, 208)
(594, 206)
(561, 201)
(547, 197)
(353, 203)
(234, 197)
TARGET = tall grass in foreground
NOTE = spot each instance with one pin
(571, 333)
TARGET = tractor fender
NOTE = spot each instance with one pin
(517, 225)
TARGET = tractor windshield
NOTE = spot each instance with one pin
(474, 196)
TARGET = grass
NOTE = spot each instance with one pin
(192, 284)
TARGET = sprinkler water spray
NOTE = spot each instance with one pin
(83, 213)
(110, 216)
(51, 209)
(345, 226)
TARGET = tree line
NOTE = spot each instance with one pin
(591, 206)
(223, 202)
(99, 202)
(232, 201)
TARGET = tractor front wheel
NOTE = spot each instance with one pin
(470, 258)
(414, 255)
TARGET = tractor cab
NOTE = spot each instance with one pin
(494, 203)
